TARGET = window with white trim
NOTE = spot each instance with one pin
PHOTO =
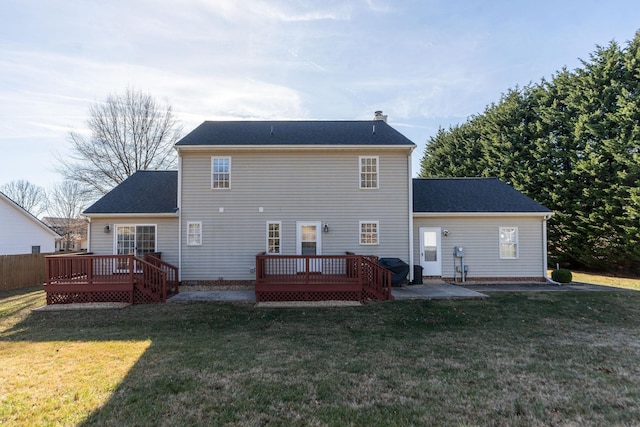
(220, 173)
(369, 232)
(274, 241)
(508, 242)
(194, 233)
(368, 172)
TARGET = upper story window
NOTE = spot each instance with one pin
(508, 242)
(368, 172)
(220, 172)
(274, 244)
(369, 232)
(194, 233)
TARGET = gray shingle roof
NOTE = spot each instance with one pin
(310, 133)
(469, 195)
(149, 192)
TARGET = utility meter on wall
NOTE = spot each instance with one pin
(458, 251)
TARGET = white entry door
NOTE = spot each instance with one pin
(309, 242)
(431, 251)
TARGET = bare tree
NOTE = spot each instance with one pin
(29, 196)
(129, 132)
(67, 201)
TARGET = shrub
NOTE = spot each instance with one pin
(562, 275)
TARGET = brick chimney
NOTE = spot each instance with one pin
(380, 116)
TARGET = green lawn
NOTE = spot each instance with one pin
(558, 358)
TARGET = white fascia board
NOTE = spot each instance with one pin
(480, 214)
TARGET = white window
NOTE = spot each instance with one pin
(194, 233)
(274, 242)
(368, 172)
(508, 242)
(369, 233)
(220, 173)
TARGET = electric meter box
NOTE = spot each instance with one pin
(458, 251)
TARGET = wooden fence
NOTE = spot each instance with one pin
(21, 271)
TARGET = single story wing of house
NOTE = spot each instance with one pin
(480, 225)
(316, 188)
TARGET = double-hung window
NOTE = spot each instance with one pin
(220, 173)
(369, 232)
(369, 172)
(274, 242)
(194, 233)
(508, 242)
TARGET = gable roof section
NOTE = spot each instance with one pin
(21, 211)
(470, 195)
(144, 192)
(294, 133)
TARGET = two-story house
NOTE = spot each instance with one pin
(316, 188)
(279, 187)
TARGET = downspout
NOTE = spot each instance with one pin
(179, 202)
(88, 234)
(544, 252)
(411, 278)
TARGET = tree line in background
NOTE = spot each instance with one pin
(127, 132)
(571, 143)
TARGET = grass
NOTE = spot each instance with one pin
(561, 358)
(607, 280)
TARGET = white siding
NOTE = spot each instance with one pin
(480, 239)
(19, 232)
(289, 186)
(102, 243)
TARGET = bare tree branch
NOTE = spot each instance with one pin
(30, 197)
(129, 132)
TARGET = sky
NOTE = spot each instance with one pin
(427, 64)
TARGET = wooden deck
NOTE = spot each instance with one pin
(109, 278)
(320, 278)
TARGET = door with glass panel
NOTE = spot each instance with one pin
(134, 240)
(309, 242)
(431, 251)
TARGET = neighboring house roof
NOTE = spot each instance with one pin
(470, 195)
(64, 224)
(27, 214)
(306, 133)
(144, 192)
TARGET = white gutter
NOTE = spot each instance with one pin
(411, 278)
(88, 234)
(179, 216)
(477, 214)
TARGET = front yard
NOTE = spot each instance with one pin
(513, 359)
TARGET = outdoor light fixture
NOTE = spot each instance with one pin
(107, 228)
(325, 228)
(445, 233)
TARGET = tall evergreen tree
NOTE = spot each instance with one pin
(571, 143)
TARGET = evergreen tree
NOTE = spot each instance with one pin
(571, 143)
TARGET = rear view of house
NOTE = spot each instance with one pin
(313, 205)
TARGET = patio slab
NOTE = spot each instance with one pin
(435, 291)
(228, 296)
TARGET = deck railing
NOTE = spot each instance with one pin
(304, 277)
(169, 269)
(106, 278)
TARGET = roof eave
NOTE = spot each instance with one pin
(482, 214)
(293, 147)
(137, 215)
